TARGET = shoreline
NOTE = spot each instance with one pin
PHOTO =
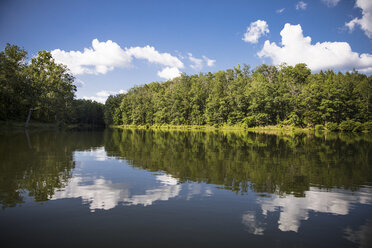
(17, 125)
(262, 129)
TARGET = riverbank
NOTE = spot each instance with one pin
(263, 129)
(16, 125)
(259, 129)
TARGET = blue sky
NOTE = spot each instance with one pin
(119, 44)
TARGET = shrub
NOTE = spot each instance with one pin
(331, 126)
(262, 119)
(350, 126)
(249, 121)
(294, 120)
(319, 128)
(367, 126)
(358, 127)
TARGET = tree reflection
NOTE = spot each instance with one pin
(42, 163)
(38, 163)
(282, 164)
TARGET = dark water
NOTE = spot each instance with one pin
(184, 189)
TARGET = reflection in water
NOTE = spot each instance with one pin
(253, 225)
(104, 194)
(238, 161)
(41, 168)
(295, 209)
(101, 193)
(99, 153)
(263, 183)
(361, 236)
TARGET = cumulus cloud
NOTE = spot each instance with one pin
(326, 55)
(103, 57)
(301, 5)
(169, 73)
(99, 59)
(280, 10)
(102, 95)
(255, 31)
(331, 3)
(150, 54)
(365, 23)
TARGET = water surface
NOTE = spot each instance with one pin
(137, 188)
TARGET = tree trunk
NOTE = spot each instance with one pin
(57, 120)
(28, 117)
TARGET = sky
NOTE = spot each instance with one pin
(111, 46)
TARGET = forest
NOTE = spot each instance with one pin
(41, 91)
(268, 95)
(44, 91)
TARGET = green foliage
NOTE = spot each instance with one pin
(14, 84)
(284, 95)
(268, 95)
(293, 120)
(319, 128)
(52, 89)
(87, 112)
(367, 126)
(42, 87)
(331, 126)
(350, 126)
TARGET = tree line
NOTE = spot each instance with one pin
(41, 90)
(267, 95)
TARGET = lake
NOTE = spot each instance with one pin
(143, 188)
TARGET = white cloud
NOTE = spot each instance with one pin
(326, 55)
(255, 31)
(197, 63)
(102, 95)
(280, 10)
(150, 54)
(365, 22)
(331, 3)
(169, 73)
(301, 5)
(210, 62)
(101, 58)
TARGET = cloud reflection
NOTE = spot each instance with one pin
(362, 236)
(253, 225)
(105, 195)
(294, 209)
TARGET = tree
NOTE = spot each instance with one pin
(14, 86)
(52, 89)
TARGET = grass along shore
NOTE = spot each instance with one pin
(264, 129)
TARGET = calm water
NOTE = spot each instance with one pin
(184, 189)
